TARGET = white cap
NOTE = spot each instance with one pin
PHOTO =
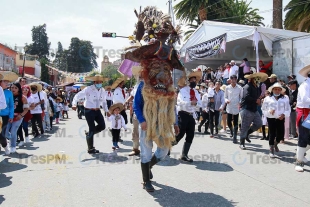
(232, 61)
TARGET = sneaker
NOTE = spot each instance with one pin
(21, 143)
(271, 155)
(12, 150)
(27, 139)
(7, 150)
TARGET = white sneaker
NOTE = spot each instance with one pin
(27, 140)
(13, 150)
(7, 150)
(272, 155)
(21, 143)
(299, 168)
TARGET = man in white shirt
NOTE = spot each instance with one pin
(234, 70)
(188, 102)
(119, 95)
(303, 110)
(233, 95)
(37, 108)
(94, 98)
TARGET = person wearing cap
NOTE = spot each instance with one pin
(250, 100)
(187, 102)
(234, 70)
(37, 108)
(276, 108)
(293, 101)
(291, 77)
(135, 132)
(241, 83)
(119, 95)
(109, 96)
(95, 97)
(264, 68)
(303, 110)
(233, 95)
(273, 78)
(6, 105)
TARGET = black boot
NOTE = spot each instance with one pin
(90, 144)
(206, 128)
(231, 132)
(147, 185)
(153, 162)
(264, 133)
(185, 150)
(242, 146)
(250, 131)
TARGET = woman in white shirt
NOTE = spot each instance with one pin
(276, 108)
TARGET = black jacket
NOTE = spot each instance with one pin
(293, 98)
(250, 96)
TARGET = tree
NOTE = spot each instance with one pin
(40, 45)
(240, 12)
(188, 10)
(80, 56)
(298, 16)
(44, 70)
(277, 14)
(60, 61)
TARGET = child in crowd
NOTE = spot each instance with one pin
(59, 108)
(211, 105)
(65, 110)
(117, 122)
(264, 119)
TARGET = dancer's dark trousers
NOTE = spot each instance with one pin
(3, 140)
(80, 111)
(109, 103)
(115, 135)
(276, 130)
(232, 118)
(187, 126)
(36, 118)
(123, 113)
(205, 119)
(93, 116)
(303, 135)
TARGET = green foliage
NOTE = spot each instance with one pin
(112, 73)
(40, 45)
(60, 58)
(297, 17)
(93, 73)
(44, 70)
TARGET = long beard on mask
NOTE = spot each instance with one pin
(159, 113)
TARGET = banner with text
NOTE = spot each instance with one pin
(206, 49)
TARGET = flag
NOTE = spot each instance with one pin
(126, 66)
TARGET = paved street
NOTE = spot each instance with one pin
(57, 171)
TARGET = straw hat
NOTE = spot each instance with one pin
(46, 91)
(196, 74)
(134, 45)
(182, 81)
(117, 82)
(107, 87)
(96, 78)
(241, 81)
(38, 85)
(136, 70)
(58, 98)
(114, 106)
(223, 87)
(263, 76)
(203, 85)
(273, 76)
(1, 77)
(304, 72)
(276, 85)
(9, 76)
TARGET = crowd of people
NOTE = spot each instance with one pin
(23, 104)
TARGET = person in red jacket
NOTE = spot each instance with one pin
(264, 68)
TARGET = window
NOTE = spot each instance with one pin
(21, 57)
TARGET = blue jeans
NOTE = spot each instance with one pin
(146, 148)
(46, 120)
(25, 127)
(11, 131)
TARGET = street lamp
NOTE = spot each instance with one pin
(25, 49)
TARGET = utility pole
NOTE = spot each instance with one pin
(170, 12)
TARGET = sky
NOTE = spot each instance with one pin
(83, 19)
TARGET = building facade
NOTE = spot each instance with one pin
(7, 58)
(105, 63)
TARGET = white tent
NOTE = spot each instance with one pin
(242, 41)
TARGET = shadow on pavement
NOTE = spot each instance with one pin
(6, 166)
(172, 197)
(126, 143)
(212, 166)
(169, 161)
(5, 181)
(112, 157)
(1, 199)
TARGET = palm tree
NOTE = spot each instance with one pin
(298, 16)
(191, 28)
(277, 14)
(240, 12)
(188, 10)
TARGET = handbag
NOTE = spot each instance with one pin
(306, 122)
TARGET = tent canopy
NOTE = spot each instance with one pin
(240, 41)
